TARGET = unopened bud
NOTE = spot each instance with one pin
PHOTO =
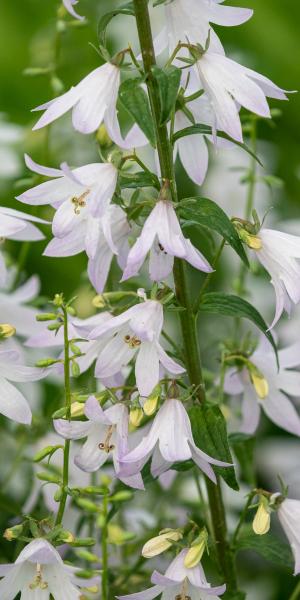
(102, 137)
(46, 317)
(6, 331)
(47, 362)
(77, 409)
(66, 536)
(160, 543)
(196, 551)
(136, 416)
(13, 532)
(117, 535)
(98, 301)
(260, 384)
(262, 519)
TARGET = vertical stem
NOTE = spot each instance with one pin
(104, 547)
(296, 593)
(187, 318)
(67, 384)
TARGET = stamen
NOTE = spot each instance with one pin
(38, 580)
(106, 445)
(183, 594)
(79, 202)
(133, 342)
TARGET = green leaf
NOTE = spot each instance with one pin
(202, 211)
(138, 180)
(217, 303)
(168, 82)
(136, 102)
(210, 435)
(206, 129)
(268, 546)
(126, 9)
(158, 2)
(243, 446)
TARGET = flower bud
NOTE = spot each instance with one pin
(262, 519)
(117, 535)
(77, 409)
(136, 416)
(13, 532)
(6, 331)
(260, 384)
(196, 550)
(160, 543)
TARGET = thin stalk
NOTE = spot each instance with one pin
(208, 277)
(296, 593)
(104, 547)
(187, 318)
(68, 401)
(243, 517)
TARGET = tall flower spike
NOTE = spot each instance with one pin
(69, 5)
(135, 334)
(263, 387)
(162, 236)
(93, 101)
(179, 582)
(228, 85)
(106, 433)
(169, 440)
(190, 20)
(40, 572)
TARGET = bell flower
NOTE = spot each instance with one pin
(69, 6)
(277, 252)
(14, 307)
(73, 192)
(18, 226)
(289, 517)
(135, 334)
(106, 432)
(39, 572)
(162, 236)
(230, 85)
(179, 582)
(12, 402)
(93, 101)
(262, 386)
(169, 440)
(189, 20)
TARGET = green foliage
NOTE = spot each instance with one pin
(268, 546)
(134, 98)
(205, 212)
(126, 9)
(210, 435)
(168, 82)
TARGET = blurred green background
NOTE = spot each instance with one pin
(268, 43)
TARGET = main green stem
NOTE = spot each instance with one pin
(187, 317)
(104, 547)
(67, 382)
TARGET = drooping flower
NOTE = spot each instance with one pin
(264, 387)
(230, 85)
(106, 433)
(93, 101)
(179, 582)
(101, 238)
(277, 252)
(169, 440)
(14, 307)
(162, 236)
(39, 572)
(18, 226)
(135, 334)
(69, 5)
(289, 517)
(73, 192)
(189, 21)
(12, 402)
(192, 149)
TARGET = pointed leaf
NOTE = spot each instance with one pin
(202, 211)
(168, 82)
(126, 9)
(135, 100)
(210, 435)
(267, 546)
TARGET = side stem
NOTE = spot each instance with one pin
(187, 318)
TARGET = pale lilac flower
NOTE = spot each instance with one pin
(73, 192)
(277, 255)
(230, 85)
(289, 517)
(14, 307)
(189, 21)
(39, 572)
(192, 149)
(93, 101)
(267, 388)
(69, 5)
(169, 440)
(107, 435)
(135, 334)
(162, 236)
(12, 402)
(18, 226)
(179, 581)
